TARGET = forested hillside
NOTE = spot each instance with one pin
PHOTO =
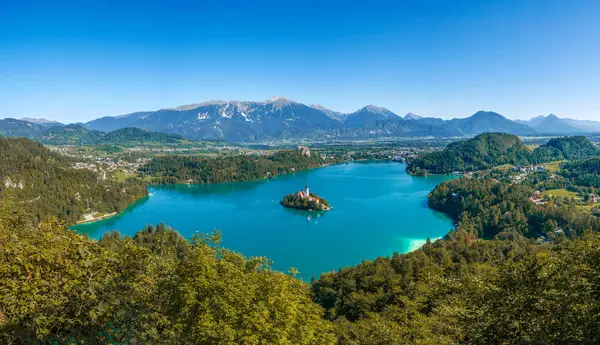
(69, 135)
(485, 283)
(576, 147)
(584, 173)
(44, 184)
(467, 291)
(481, 152)
(18, 128)
(58, 287)
(488, 209)
(492, 149)
(78, 135)
(180, 169)
(129, 136)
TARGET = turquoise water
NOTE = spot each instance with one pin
(378, 209)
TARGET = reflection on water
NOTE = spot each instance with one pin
(310, 216)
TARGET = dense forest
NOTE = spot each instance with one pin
(480, 152)
(492, 149)
(79, 135)
(69, 135)
(488, 209)
(584, 172)
(44, 184)
(486, 282)
(60, 287)
(174, 169)
(135, 136)
(463, 290)
(569, 148)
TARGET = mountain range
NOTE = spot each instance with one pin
(553, 125)
(76, 134)
(280, 118)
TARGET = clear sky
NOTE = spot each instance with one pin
(75, 61)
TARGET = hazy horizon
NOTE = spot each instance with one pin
(74, 61)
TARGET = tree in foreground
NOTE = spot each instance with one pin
(60, 287)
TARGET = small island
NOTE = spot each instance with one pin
(305, 200)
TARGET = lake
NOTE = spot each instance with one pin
(378, 209)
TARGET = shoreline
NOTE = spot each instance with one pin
(95, 219)
(110, 215)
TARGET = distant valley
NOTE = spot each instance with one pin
(282, 118)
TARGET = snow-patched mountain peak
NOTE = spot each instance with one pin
(280, 100)
(411, 116)
(197, 105)
(318, 107)
(375, 109)
(40, 120)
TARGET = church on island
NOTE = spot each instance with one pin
(305, 194)
(305, 201)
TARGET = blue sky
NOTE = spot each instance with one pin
(75, 61)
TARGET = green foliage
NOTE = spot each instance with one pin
(131, 136)
(550, 297)
(481, 152)
(70, 135)
(44, 184)
(79, 135)
(465, 291)
(492, 149)
(575, 147)
(487, 208)
(583, 173)
(413, 298)
(60, 287)
(180, 169)
(19, 128)
(296, 201)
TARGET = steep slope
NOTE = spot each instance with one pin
(235, 121)
(336, 115)
(488, 121)
(481, 152)
(70, 135)
(369, 115)
(19, 128)
(552, 125)
(584, 125)
(411, 116)
(533, 122)
(577, 147)
(128, 136)
(42, 121)
(45, 183)
(280, 118)
(398, 127)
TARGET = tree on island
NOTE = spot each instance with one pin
(305, 200)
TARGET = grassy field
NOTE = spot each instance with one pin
(588, 207)
(553, 166)
(505, 167)
(561, 193)
(121, 176)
